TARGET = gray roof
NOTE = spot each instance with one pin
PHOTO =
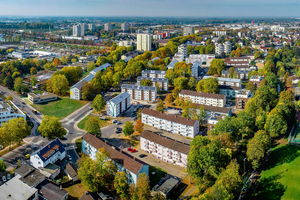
(153, 72)
(168, 185)
(172, 64)
(153, 79)
(94, 71)
(51, 192)
(33, 179)
(138, 87)
(224, 79)
(24, 170)
(120, 98)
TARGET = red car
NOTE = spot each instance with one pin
(129, 149)
(133, 150)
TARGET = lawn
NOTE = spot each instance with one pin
(75, 191)
(103, 123)
(159, 173)
(38, 91)
(280, 178)
(59, 108)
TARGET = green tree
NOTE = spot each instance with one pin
(142, 187)
(2, 166)
(181, 83)
(18, 85)
(146, 82)
(51, 128)
(216, 67)
(160, 106)
(98, 103)
(192, 84)
(58, 84)
(87, 91)
(91, 66)
(209, 85)
(9, 98)
(169, 99)
(33, 81)
(128, 128)
(250, 86)
(92, 125)
(8, 81)
(16, 75)
(33, 70)
(175, 92)
(50, 66)
(158, 196)
(121, 184)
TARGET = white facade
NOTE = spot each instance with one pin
(8, 112)
(227, 81)
(219, 33)
(186, 127)
(124, 26)
(157, 37)
(219, 48)
(160, 82)
(200, 57)
(118, 105)
(76, 30)
(188, 30)
(179, 57)
(204, 98)
(227, 47)
(182, 49)
(92, 27)
(107, 26)
(153, 73)
(84, 27)
(195, 68)
(143, 42)
(20, 55)
(144, 93)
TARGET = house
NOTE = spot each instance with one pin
(42, 78)
(153, 73)
(48, 154)
(209, 99)
(49, 191)
(241, 98)
(118, 104)
(172, 64)
(156, 82)
(123, 161)
(96, 196)
(137, 92)
(240, 74)
(164, 148)
(45, 97)
(256, 80)
(213, 120)
(175, 124)
(71, 171)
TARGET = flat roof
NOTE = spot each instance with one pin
(152, 79)
(120, 98)
(138, 87)
(168, 185)
(153, 72)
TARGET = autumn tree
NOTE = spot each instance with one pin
(160, 106)
(56, 61)
(18, 85)
(87, 91)
(33, 81)
(216, 67)
(175, 92)
(146, 82)
(250, 86)
(128, 128)
(169, 99)
(91, 66)
(50, 66)
(58, 84)
(142, 188)
(51, 128)
(121, 184)
(8, 81)
(139, 127)
(209, 85)
(33, 70)
(92, 125)
(181, 83)
(98, 103)
(9, 98)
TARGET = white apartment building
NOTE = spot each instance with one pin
(92, 27)
(195, 68)
(107, 26)
(219, 48)
(8, 111)
(165, 149)
(201, 58)
(84, 27)
(172, 64)
(182, 49)
(157, 37)
(124, 26)
(118, 105)
(179, 57)
(143, 42)
(227, 47)
(228, 86)
(160, 82)
(137, 92)
(209, 99)
(175, 124)
(219, 33)
(48, 154)
(240, 74)
(188, 30)
(76, 30)
(153, 73)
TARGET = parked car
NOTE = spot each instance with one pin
(129, 149)
(133, 150)
(8, 176)
(114, 121)
(142, 155)
(3, 178)
(70, 158)
(119, 122)
(119, 129)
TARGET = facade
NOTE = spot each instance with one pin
(124, 26)
(213, 120)
(131, 54)
(219, 33)
(8, 111)
(143, 42)
(179, 57)
(209, 99)
(153, 73)
(156, 82)
(123, 161)
(227, 81)
(174, 124)
(240, 74)
(33, 98)
(219, 49)
(92, 27)
(76, 30)
(182, 49)
(48, 154)
(241, 98)
(172, 64)
(229, 91)
(195, 68)
(212, 110)
(165, 149)
(107, 26)
(118, 105)
(157, 37)
(227, 47)
(188, 30)
(75, 90)
(20, 54)
(84, 27)
(207, 58)
(256, 80)
(144, 93)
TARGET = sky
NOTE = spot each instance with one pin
(151, 8)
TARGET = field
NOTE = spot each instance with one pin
(103, 123)
(280, 178)
(59, 108)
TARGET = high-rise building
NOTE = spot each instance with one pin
(92, 27)
(76, 30)
(107, 26)
(124, 26)
(143, 42)
(83, 28)
(183, 50)
(227, 47)
(219, 49)
(188, 30)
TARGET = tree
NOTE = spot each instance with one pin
(9, 98)
(87, 91)
(56, 61)
(139, 127)
(139, 113)
(16, 75)
(169, 99)
(181, 83)
(58, 84)
(216, 67)
(209, 85)
(128, 128)
(74, 60)
(18, 85)
(192, 84)
(2, 166)
(98, 103)
(175, 92)
(91, 66)
(276, 124)
(51, 128)
(92, 125)
(9, 81)
(33, 81)
(50, 66)
(146, 82)
(158, 196)
(160, 106)
(142, 189)
(33, 70)
(250, 86)
(98, 173)
(121, 184)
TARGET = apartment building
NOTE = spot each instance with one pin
(143, 42)
(195, 68)
(228, 86)
(153, 73)
(92, 27)
(188, 30)
(172, 64)
(240, 74)
(182, 49)
(45, 97)
(240, 59)
(178, 56)
(256, 80)
(107, 26)
(164, 148)
(219, 49)
(48, 154)
(118, 104)
(209, 99)
(124, 26)
(75, 90)
(213, 120)
(219, 33)
(156, 82)
(76, 30)
(227, 47)
(137, 92)
(156, 37)
(131, 54)
(202, 58)
(123, 161)
(84, 27)
(241, 98)
(174, 124)
(8, 111)
(212, 110)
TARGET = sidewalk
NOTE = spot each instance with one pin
(76, 112)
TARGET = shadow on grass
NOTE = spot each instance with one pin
(47, 102)
(159, 173)
(269, 188)
(281, 155)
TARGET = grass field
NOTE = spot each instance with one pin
(59, 108)
(103, 123)
(280, 178)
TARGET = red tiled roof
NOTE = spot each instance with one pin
(50, 151)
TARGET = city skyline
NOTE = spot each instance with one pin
(159, 8)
